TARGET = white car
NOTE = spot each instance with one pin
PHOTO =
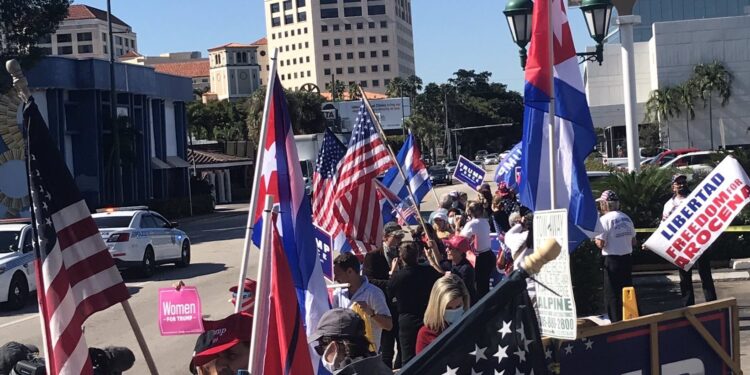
(491, 159)
(17, 272)
(140, 238)
(700, 161)
(450, 167)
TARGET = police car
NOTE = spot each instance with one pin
(17, 273)
(142, 239)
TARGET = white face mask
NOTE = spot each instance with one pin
(451, 316)
(330, 366)
(451, 221)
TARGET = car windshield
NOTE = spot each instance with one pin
(9, 241)
(436, 169)
(113, 221)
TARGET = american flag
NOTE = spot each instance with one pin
(76, 275)
(357, 207)
(403, 209)
(329, 156)
(499, 335)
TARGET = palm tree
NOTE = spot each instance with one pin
(709, 78)
(685, 94)
(353, 91)
(661, 106)
(395, 87)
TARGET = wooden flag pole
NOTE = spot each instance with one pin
(262, 305)
(139, 337)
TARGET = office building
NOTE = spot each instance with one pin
(84, 34)
(363, 42)
(263, 59)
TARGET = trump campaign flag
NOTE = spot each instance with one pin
(281, 176)
(410, 158)
(574, 130)
(509, 169)
(703, 216)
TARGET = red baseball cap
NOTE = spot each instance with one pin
(459, 243)
(220, 335)
(248, 286)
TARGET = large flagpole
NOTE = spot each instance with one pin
(552, 137)
(256, 182)
(262, 308)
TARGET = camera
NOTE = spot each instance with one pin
(108, 361)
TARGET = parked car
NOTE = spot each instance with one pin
(17, 271)
(439, 175)
(491, 159)
(142, 239)
(700, 161)
(666, 156)
(450, 167)
(481, 154)
(479, 161)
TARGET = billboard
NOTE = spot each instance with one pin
(388, 111)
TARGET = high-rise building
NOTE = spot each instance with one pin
(262, 48)
(234, 70)
(84, 34)
(353, 41)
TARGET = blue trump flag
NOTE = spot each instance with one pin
(574, 130)
(509, 169)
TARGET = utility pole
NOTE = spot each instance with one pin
(113, 113)
(449, 151)
(403, 116)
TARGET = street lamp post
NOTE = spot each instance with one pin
(117, 178)
(626, 20)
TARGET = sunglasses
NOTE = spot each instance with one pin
(245, 295)
(322, 345)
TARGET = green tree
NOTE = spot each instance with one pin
(686, 95)
(22, 25)
(409, 86)
(395, 87)
(429, 132)
(304, 109)
(336, 90)
(661, 106)
(710, 78)
(223, 120)
(353, 91)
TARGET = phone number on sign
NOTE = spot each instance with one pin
(557, 323)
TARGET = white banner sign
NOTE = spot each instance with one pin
(557, 313)
(703, 215)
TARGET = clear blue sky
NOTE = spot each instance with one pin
(448, 34)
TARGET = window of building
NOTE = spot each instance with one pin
(347, 26)
(307, 58)
(363, 69)
(349, 41)
(299, 45)
(339, 70)
(352, 1)
(104, 37)
(282, 62)
(292, 32)
(360, 26)
(295, 75)
(262, 53)
(288, 62)
(384, 38)
(301, 16)
(118, 40)
(386, 68)
(275, 21)
(286, 34)
(104, 49)
(273, 35)
(305, 29)
(386, 82)
(287, 4)
(132, 44)
(274, 7)
(325, 42)
(309, 74)
(352, 11)
(65, 50)
(336, 27)
(289, 19)
(374, 68)
(326, 72)
(337, 42)
(350, 70)
(294, 61)
(361, 55)
(84, 37)
(300, 3)
(371, 25)
(323, 2)
(373, 39)
(326, 57)
(363, 83)
(64, 38)
(337, 56)
(350, 55)
(241, 57)
(373, 53)
(85, 48)
(120, 52)
(286, 48)
(383, 24)
(375, 83)
(127, 42)
(217, 59)
(324, 28)
(329, 13)
(385, 53)
(373, 10)
(307, 44)
(294, 47)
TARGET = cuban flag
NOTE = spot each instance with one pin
(573, 126)
(509, 169)
(410, 159)
(282, 177)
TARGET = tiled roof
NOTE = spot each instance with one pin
(205, 157)
(370, 95)
(232, 45)
(190, 69)
(130, 54)
(86, 12)
(260, 42)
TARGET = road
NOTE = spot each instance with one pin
(216, 252)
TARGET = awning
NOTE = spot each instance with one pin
(156, 163)
(177, 162)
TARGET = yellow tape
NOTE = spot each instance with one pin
(738, 228)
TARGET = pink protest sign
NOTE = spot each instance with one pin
(180, 311)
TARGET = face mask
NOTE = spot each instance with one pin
(451, 316)
(329, 365)
(451, 221)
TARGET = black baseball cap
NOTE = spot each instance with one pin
(339, 323)
(393, 229)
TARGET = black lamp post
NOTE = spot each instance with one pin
(597, 13)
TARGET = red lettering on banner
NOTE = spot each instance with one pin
(686, 235)
(691, 250)
(724, 214)
(715, 225)
(703, 237)
(701, 220)
(746, 191)
(711, 210)
(671, 252)
(693, 228)
(678, 244)
(681, 261)
(720, 199)
(736, 201)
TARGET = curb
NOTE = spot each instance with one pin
(674, 278)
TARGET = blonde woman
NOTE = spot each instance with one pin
(449, 300)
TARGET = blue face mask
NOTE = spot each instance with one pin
(451, 316)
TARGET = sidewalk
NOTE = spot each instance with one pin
(221, 211)
(673, 277)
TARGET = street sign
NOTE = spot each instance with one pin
(556, 312)
(469, 173)
(180, 311)
(323, 245)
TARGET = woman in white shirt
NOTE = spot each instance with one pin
(477, 230)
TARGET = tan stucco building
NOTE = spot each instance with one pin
(234, 69)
